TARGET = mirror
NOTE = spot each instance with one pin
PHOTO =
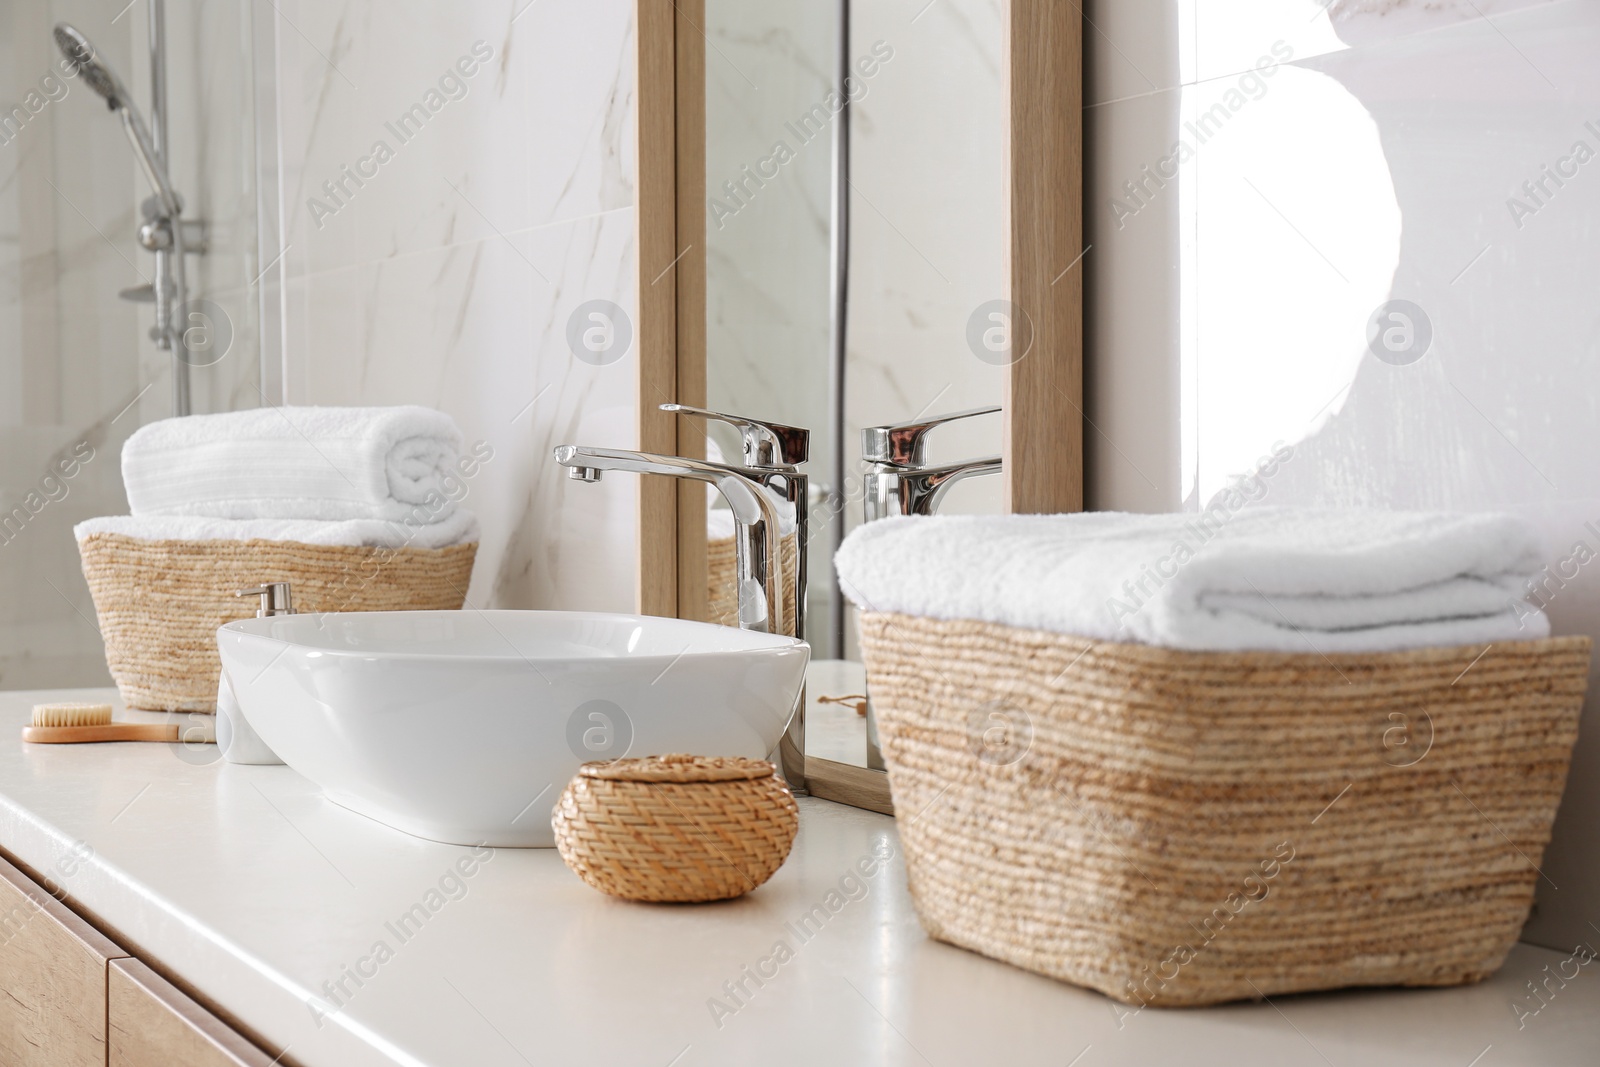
(856, 243)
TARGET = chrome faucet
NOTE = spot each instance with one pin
(757, 494)
(899, 480)
(755, 517)
(772, 456)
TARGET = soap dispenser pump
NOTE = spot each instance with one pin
(276, 599)
(237, 741)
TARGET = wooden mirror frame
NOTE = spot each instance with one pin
(1043, 393)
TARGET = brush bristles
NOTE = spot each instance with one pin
(71, 714)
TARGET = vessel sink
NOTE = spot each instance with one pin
(464, 726)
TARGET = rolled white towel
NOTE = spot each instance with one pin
(460, 528)
(1266, 578)
(397, 464)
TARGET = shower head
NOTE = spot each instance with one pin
(80, 53)
(103, 80)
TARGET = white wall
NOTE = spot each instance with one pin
(1229, 306)
(449, 277)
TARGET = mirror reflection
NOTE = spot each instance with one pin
(855, 236)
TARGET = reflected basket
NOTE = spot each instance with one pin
(722, 584)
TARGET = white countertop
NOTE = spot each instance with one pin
(255, 890)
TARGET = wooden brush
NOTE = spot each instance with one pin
(65, 724)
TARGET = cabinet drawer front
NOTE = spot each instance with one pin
(53, 972)
(153, 1023)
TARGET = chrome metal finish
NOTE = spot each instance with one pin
(916, 491)
(276, 599)
(899, 480)
(771, 453)
(766, 444)
(170, 266)
(755, 516)
(163, 232)
(156, 233)
(903, 444)
(155, 236)
(157, 39)
(754, 493)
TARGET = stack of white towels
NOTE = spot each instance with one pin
(390, 477)
(1282, 579)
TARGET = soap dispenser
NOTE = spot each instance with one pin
(237, 741)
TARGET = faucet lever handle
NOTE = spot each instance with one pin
(903, 444)
(766, 444)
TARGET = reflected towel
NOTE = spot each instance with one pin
(1266, 578)
(397, 464)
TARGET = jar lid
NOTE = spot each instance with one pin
(679, 767)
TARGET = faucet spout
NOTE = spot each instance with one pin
(894, 490)
(757, 521)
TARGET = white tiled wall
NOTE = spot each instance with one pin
(1229, 303)
(447, 275)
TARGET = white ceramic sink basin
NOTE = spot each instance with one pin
(464, 726)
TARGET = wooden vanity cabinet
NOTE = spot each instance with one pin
(52, 979)
(152, 1023)
(72, 997)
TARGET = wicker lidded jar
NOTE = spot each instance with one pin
(676, 828)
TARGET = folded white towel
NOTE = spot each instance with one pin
(460, 528)
(396, 464)
(1267, 578)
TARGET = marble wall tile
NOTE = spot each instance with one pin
(768, 237)
(535, 133)
(479, 330)
(449, 278)
(928, 231)
(769, 178)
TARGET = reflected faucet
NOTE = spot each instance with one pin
(899, 480)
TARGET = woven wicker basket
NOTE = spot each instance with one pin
(722, 588)
(676, 828)
(1178, 828)
(160, 602)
